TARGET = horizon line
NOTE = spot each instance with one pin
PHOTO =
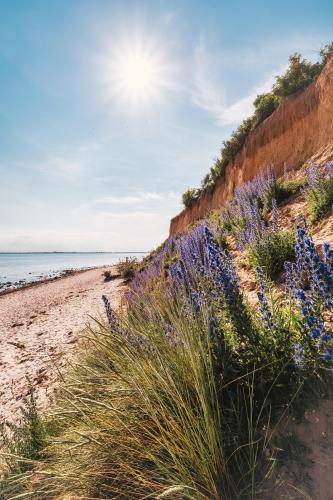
(72, 251)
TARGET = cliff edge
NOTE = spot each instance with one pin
(299, 130)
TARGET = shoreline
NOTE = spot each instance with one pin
(40, 326)
(63, 274)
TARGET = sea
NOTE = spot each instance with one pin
(17, 269)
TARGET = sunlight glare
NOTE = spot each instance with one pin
(137, 74)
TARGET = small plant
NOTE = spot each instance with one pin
(272, 252)
(299, 75)
(320, 191)
(24, 444)
(292, 450)
(267, 246)
(285, 189)
(107, 275)
(281, 190)
(127, 268)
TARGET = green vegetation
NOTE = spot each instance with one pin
(179, 396)
(272, 252)
(320, 198)
(24, 447)
(189, 196)
(299, 75)
(107, 275)
(127, 268)
(285, 189)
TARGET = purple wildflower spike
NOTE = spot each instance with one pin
(111, 315)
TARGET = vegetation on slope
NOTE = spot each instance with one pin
(299, 75)
(179, 395)
(320, 191)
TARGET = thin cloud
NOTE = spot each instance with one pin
(142, 200)
(243, 108)
(63, 164)
(208, 96)
(209, 69)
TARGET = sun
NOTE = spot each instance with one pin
(137, 74)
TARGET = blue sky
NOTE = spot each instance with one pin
(94, 158)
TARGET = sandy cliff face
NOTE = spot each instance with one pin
(300, 129)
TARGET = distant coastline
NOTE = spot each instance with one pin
(19, 269)
(73, 252)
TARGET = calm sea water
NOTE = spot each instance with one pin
(27, 267)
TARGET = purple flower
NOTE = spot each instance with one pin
(264, 307)
(111, 315)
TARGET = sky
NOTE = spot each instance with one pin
(111, 109)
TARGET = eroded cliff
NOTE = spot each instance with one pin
(299, 130)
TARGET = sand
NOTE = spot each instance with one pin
(39, 328)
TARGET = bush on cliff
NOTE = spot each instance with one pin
(190, 196)
(299, 75)
(264, 105)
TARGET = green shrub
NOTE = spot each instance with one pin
(320, 198)
(325, 52)
(107, 275)
(299, 75)
(264, 105)
(272, 252)
(24, 444)
(282, 190)
(127, 268)
(286, 189)
(233, 145)
(190, 196)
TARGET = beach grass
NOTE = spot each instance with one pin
(182, 392)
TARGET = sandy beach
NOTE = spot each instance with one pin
(39, 328)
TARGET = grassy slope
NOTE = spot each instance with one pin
(128, 425)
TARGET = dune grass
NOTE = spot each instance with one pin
(161, 421)
(179, 395)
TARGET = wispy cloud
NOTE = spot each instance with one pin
(212, 71)
(243, 107)
(138, 201)
(209, 96)
(65, 163)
